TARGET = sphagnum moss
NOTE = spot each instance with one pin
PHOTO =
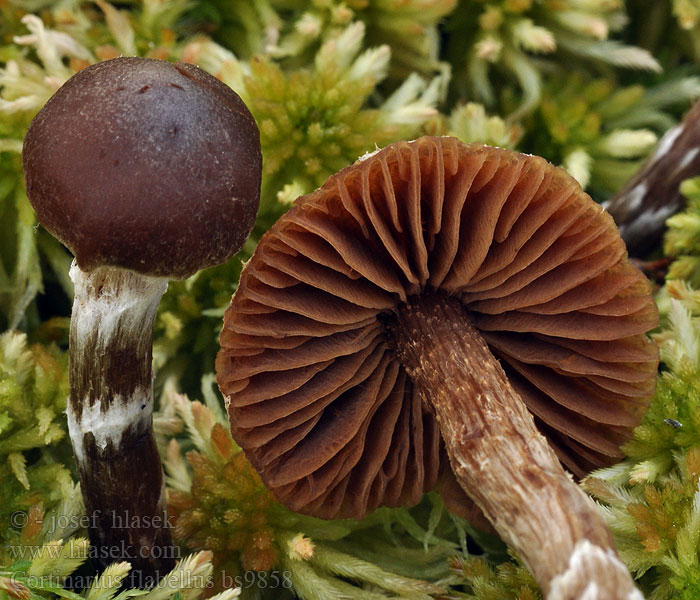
(539, 37)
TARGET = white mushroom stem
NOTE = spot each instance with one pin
(110, 418)
(500, 459)
(583, 581)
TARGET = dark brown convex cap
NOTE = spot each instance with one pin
(316, 396)
(146, 165)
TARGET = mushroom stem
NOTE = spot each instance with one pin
(641, 208)
(499, 457)
(110, 419)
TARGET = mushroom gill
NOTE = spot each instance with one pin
(317, 397)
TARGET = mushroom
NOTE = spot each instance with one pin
(146, 171)
(426, 318)
(652, 195)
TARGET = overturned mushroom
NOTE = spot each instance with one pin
(146, 171)
(416, 306)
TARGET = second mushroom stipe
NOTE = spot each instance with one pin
(453, 317)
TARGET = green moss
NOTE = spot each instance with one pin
(498, 43)
(651, 499)
(599, 131)
(682, 241)
(328, 81)
(485, 581)
(316, 120)
(293, 31)
(218, 502)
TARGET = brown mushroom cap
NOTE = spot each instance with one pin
(317, 398)
(145, 165)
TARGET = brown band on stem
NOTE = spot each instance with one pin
(499, 457)
(124, 495)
